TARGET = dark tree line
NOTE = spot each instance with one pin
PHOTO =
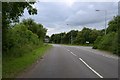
(64, 38)
(76, 37)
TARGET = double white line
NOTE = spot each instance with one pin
(86, 64)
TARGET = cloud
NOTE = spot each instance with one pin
(56, 15)
(79, 0)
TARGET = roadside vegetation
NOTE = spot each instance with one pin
(110, 41)
(92, 37)
(23, 42)
(13, 66)
(76, 37)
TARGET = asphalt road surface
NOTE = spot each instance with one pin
(74, 62)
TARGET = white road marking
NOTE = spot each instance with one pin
(90, 68)
(68, 49)
(73, 54)
(86, 64)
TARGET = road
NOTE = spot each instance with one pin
(74, 62)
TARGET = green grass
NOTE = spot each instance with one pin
(13, 66)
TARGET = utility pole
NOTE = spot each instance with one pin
(61, 38)
(105, 11)
(105, 20)
(71, 39)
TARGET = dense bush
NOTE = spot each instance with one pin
(110, 41)
(115, 44)
(17, 38)
(20, 40)
(106, 42)
(97, 42)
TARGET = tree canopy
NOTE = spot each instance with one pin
(110, 41)
(35, 28)
(11, 11)
(76, 37)
(27, 33)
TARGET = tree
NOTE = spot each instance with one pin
(35, 28)
(113, 25)
(67, 39)
(62, 38)
(118, 36)
(93, 35)
(17, 38)
(77, 37)
(58, 38)
(11, 11)
(73, 34)
(83, 36)
(110, 41)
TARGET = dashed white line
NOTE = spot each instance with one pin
(86, 64)
(73, 54)
(68, 49)
(90, 68)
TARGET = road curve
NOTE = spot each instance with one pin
(74, 62)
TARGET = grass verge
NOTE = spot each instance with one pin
(13, 66)
(78, 44)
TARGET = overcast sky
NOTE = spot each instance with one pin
(56, 15)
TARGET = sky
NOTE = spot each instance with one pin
(67, 15)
